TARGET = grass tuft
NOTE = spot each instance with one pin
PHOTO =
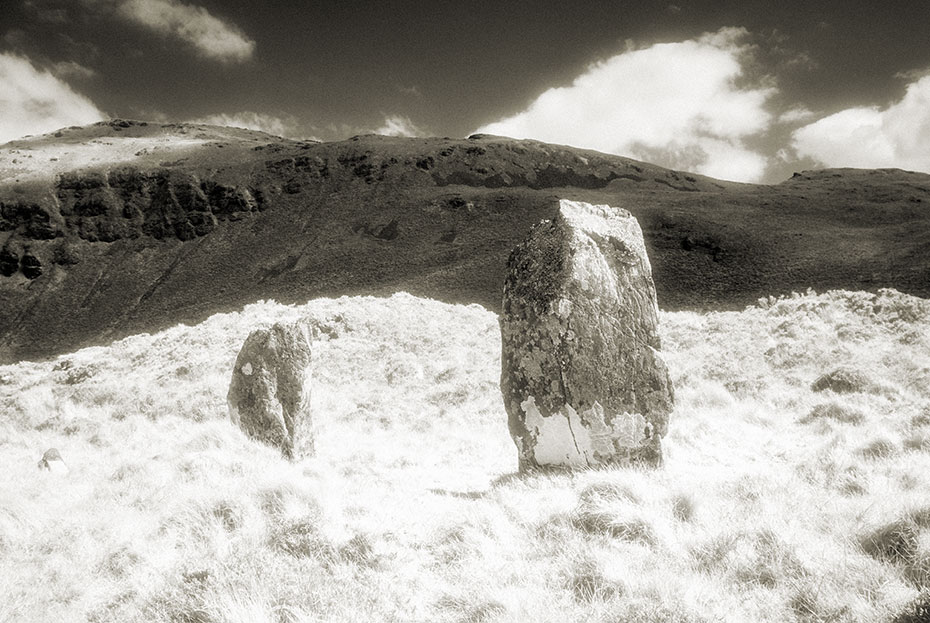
(918, 611)
(853, 482)
(588, 584)
(757, 557)
(617, 521)
(808, 606)
(300, 538)
(683, 507)
(358, 551)
(834, 411)
(119, 562)
(465, 610)
(918, 441)
(895, 542)
(228, 513)
(879, 448)
(843, 381)
(905, 543)
(607, 492)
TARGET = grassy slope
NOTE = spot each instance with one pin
(770, 507)
(112, 143)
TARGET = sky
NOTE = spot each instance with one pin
(748, 91)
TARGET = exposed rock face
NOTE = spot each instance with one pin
(9, 262)
(269, 395)
(582, 378)
(127, 203)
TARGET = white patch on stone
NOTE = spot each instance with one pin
(590, 269)
(560, 439)
(601, 439)
(564, 308)
(606, 222)
(569, 439)
(247, 369)
(629, 429)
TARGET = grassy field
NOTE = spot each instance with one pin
(776, 502)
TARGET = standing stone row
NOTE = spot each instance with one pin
(582, 379)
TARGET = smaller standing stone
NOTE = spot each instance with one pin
(269, 395)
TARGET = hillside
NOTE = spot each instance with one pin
(776, 503)
(123, 227)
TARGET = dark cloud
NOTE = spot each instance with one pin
(66, 70)
(15, 40)
(46, 12)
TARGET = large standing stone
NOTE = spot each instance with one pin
(582, 378)
(269, 395)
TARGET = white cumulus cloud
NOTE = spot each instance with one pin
(210, 35)
(868, 137)
(798, 114)
(396, 125)
(33, 101)
(675, 104)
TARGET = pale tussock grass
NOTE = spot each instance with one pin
(411, 510)
(175, 496)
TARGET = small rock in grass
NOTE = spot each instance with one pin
(52, 461)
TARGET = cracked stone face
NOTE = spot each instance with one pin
(269, 394)
(582, 378)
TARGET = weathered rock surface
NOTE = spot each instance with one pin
(582, 379)
(269, 395)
